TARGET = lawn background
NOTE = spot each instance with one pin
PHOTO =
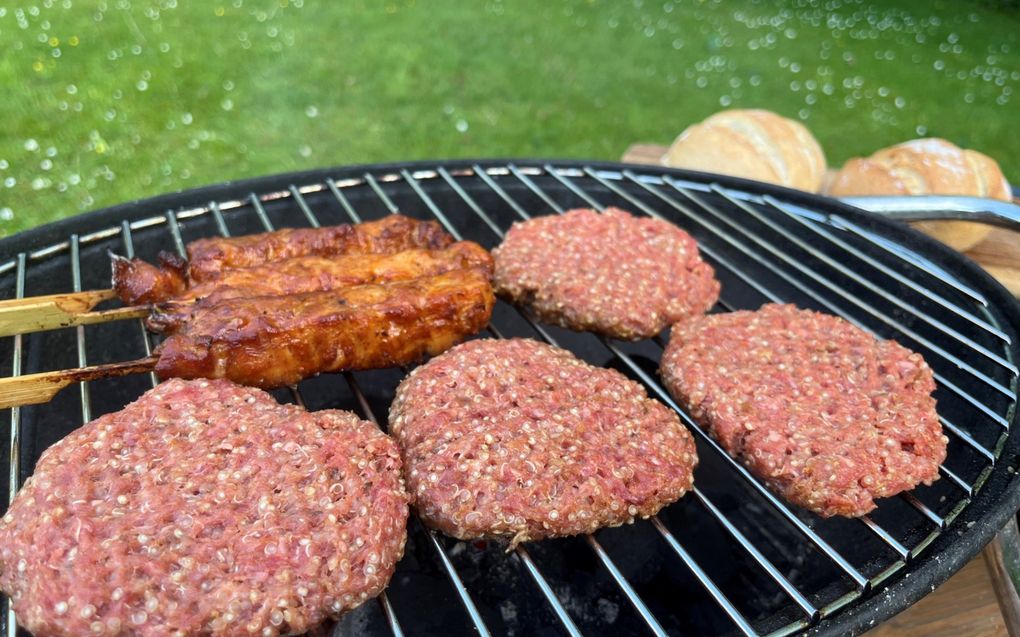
(111, 101)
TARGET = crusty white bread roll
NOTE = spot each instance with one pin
(928, 166)
(754, 144)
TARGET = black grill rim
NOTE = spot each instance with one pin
(989, 509)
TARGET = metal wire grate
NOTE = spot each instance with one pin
(730, 558)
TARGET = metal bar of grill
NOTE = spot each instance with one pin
(825, 301)
(924, 316)
(83, 387)
(805, 605)
(706, 581)
(175, 232)
(129, 252)
(561, 612)
(902, 280)
(628, 590)
(813, 275)
(14, 476)
(949, 281)
(346, 205)
(300, 200)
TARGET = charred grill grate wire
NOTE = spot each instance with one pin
(768, 250)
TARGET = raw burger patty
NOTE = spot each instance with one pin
(204, 508)
(519, 439)
(612, 273)
(829, 416)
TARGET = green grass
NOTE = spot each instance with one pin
(149, 97)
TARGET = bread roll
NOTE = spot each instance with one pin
(754, 144)
(927, 167)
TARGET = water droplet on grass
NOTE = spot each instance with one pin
(461, 125)
(31, 145)
(227, 104)
(312, 111)
(6, 214)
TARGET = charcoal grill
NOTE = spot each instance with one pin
(730, 558)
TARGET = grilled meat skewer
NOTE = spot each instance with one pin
(313, 274)
(137, 281)
(274, 341)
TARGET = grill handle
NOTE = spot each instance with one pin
(942, 208)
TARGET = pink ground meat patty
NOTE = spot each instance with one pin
(204, 508)
(518, 439)
(612, 273)
(829, 416)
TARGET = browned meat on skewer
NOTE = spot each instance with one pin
(209, 257)
(312, 274)
(278, 340)
(138, 282)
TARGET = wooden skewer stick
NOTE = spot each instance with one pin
(54, 311)
(34, 389)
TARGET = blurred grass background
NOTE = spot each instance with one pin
(109, 101)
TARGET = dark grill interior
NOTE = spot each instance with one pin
(730, 558)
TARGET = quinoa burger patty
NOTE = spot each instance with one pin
(518, 439)
(612, 273)
(829, 416)
(204, 508)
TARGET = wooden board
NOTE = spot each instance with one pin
(998, 253)
(966, 605)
